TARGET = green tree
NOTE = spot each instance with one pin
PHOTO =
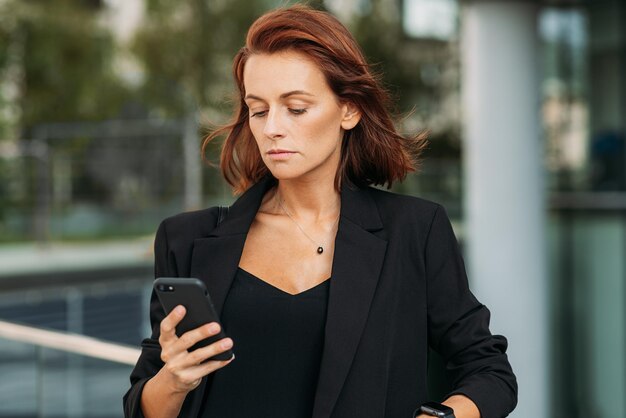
(67, 63)
(56, 57)
(187, 46)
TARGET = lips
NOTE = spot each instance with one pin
(280, 151)
(280, 154)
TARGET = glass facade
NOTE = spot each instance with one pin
(584, 113)
(584, 104)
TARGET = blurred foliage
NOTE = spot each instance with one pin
(66, 62)
(379, 33)
(184, 47)
(7, 24)
(187, 46)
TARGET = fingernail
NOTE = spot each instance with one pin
(227, 344)
(179, 310)
(213, 328)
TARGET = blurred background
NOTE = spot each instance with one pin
(103, 105)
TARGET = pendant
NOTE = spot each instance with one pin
(320, 250)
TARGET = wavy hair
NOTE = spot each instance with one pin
(372, 153)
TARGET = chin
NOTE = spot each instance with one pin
(297, 170)
(284, 173)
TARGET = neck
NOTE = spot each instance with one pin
(314, 201)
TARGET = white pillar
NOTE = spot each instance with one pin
(504, 199)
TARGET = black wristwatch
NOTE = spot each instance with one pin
(434, 409)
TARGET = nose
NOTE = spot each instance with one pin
(273, 126)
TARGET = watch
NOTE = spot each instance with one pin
(435, 409)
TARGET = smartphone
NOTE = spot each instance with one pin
(193, 295)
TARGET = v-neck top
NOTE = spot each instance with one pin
(278, 339)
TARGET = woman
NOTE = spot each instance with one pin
(330, 290)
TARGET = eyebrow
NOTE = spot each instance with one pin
(282, 96)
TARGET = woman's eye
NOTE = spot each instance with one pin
(258, 114)
(262, 113)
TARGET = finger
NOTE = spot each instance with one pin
(191, 377)
(190, 338)
(169, 323)
(201, 354)
(201, 370)
(188, 370)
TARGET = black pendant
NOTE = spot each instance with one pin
(320, 250)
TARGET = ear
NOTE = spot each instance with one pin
(351, 115)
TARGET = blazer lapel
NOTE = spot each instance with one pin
(357, 263)
(215, 258)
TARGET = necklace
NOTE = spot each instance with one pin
(320, 248)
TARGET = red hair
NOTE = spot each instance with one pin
(373, 152)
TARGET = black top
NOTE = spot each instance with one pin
(278, 340)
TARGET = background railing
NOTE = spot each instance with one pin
(49, 373)
(71, 321)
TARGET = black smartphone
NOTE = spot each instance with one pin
(193, 295)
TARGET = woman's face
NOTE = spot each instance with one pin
(296, 119)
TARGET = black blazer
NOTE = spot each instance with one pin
(398, 286)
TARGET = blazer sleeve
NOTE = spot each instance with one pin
(149, 362)
(458, 327)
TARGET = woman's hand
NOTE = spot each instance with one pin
(164, 394)
(184, 370)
